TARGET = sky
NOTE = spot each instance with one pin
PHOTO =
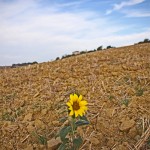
(41, 30)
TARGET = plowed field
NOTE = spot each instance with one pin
(115, 82)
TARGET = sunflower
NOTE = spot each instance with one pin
(76, 105)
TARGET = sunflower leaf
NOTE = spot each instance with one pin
(63, 119)
(77, 142)
(83, 118)
(64, 131)
(82, 122)
(66, 140)
(62, 147)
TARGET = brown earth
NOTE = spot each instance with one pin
(115, 82)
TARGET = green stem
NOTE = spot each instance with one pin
(73, 128)
(73, 125)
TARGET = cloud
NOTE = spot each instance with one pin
(48, 25)
(69, 4)
(135, 13)
(33, 32)
(129, 39)
(124, 4)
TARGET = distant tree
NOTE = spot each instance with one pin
(66, 56)
(35, 62)
(108, 47)
(23, 64)
(83, 52)
(57, 58)
(99, 48)
(90, 51)
(146, 40)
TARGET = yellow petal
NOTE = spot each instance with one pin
(71, 96)
(71, 101)
(83, 103)
(80, 98)
(84, 108)
(76, 113)
(69, 104)
(70, 108)
(75, 97)
(71, 113)
(80, 112)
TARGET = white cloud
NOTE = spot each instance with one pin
(68, 4)
(135, 13)
(124, 4)
(12, 8)
(129, 39)
(29, 32)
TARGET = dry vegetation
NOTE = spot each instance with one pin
(116, 83)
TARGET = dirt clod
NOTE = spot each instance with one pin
(126, 125)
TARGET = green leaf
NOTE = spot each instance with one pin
(83, 118)
(42, 140)
(77, 142)
(63, 119)
(82, 122)
(62, 147)
(57, 135)
(66, 140)
(64, 111)
(64, 131)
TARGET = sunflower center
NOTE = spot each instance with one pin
(76, 106)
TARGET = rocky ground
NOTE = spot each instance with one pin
(115, 82)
